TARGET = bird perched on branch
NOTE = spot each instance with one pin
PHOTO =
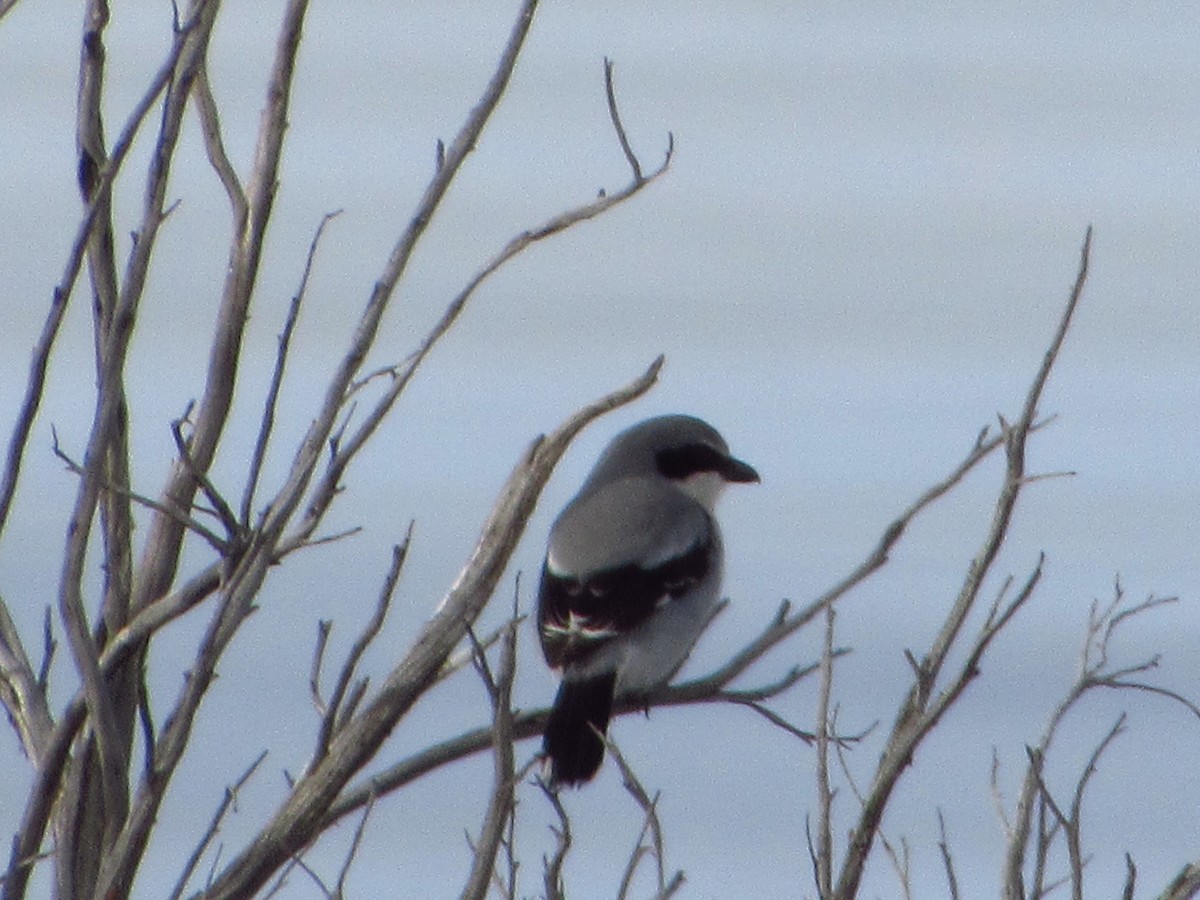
(631, 578)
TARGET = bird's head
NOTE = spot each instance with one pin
(686, 450)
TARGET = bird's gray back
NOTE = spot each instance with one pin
(642, 521)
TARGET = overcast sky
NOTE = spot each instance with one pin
(856, 261)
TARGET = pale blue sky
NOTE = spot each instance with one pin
(866, 237)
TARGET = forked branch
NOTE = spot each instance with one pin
(926, 703)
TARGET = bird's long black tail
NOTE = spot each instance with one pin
(574, 749)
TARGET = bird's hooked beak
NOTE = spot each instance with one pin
(737, 471)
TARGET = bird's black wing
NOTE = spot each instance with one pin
(577, 614)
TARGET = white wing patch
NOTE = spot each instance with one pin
(579, 628)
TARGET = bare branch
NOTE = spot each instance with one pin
(947, 857)
(824, 848)
(165, 536)
(788, 622)
(997, 796)
(322, 540)
(531, 723)
(147, 603)
(402, 375)
(527, 724)
(294, 825)
(285, 341)
(615, 116)
(922, 708)
(6, 7)
(103, 758)
(502, 801)
(334, 717)
(1068, 822)
(224, 512)
(352, 852)
(465, 655)
(1185, 885)
(1074, 840)
(1015, 438)
(229, 801)
(49, 645)
(289, 496)
(775, 719)
(117, 651)
(1095, 671)
(313, 876)
(901, 860)
(651, 825)
(213, 540)
(763, 692)
(324, 626)
(214, 145)
(35, 384)
(552, 877)
(22, 692)
(101, 775)
(163, 545)
(1161, 691)
(508, 882)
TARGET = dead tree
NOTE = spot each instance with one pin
(101, 763)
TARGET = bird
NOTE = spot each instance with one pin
(632, 576)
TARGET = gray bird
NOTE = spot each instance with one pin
(632, 575)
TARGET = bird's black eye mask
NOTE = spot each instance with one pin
(678, 463)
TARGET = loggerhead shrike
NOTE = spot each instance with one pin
(632, 575)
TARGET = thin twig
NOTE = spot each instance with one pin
(49, 645)
(460, 658)
(221, 545)
(787, 621)
(503, 801)
(947, 857)
(324, 626)
(651, 825)
(1074, 838)
(272, 399)
(924, 706)
(334, 716)
(615, 116)
(901, 860)
(824, 848)
(314, 877)
(22, 692)
(228, 801)
(164, 541)
(322, 540)
(352, 852)
(531, 723)
(775, 719)
(1095, 671)
(552, 867)
(35, 384)
(326, 490)
(298, 821)
(214, 145)
(1130, 878)
(233, 528)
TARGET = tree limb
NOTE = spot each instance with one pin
(917, 715)
(299, 820)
